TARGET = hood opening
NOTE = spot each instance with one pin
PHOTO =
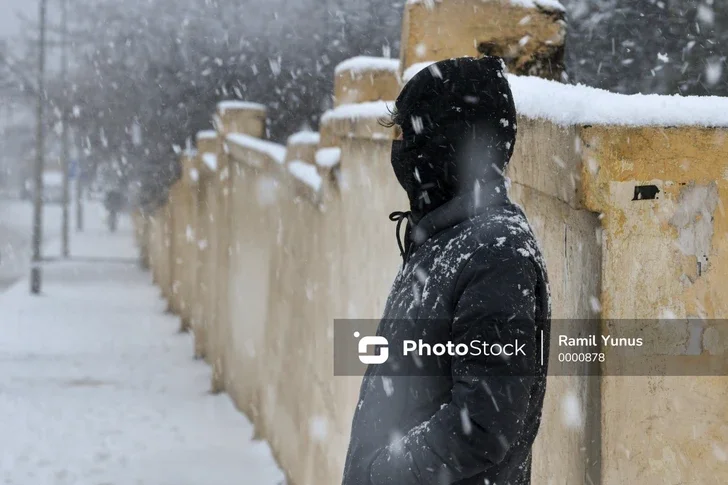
(458, 124)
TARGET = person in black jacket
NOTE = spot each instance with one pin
(472, 272)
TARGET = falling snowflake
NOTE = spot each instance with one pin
(596, 305)
(720, 453)
(706, 14)
(318, 428)
(465, 421)
(713, 72)
(571, 412)
(417, 124)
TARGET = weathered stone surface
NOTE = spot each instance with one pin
(661, 192)
(362, 83)
(530, 40)
(240, 117)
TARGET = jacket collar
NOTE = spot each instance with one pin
(460, 208)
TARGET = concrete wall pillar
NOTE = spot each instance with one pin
(186, 231)
(168, 262)
(141, 233)
(205, 235)
(529, 39)
(365, 78)
(230, 117)
(255, 189)
(661, 193)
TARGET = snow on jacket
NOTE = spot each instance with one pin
(478, 275)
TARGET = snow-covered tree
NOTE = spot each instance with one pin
(161, 66)
(648, 46)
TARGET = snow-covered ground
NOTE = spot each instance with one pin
(98, 387)
(15, 236)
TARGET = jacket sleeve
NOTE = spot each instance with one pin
(490, 394)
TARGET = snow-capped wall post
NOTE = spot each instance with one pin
(649, 177)
(661, 191)
(360, 83)
(256, 166)
(302, 146)
(175, 261)
(206, 143)
(364, 78)
(155, 246)
(182, 205)
(141, 233)
(240, 117)
(176, 216)
(528, 34)
(157, 251)
(300, 161)
(161, 249)
(204, 238)
(230, 117)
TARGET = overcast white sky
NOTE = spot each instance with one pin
(9, 26)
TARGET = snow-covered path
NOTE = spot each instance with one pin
(15, 236)
(97, 387)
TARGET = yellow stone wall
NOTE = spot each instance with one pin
(357, 85)
(229, 119)
(665, 258)
(525, 37)
(286, 262)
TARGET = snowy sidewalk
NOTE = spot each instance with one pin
(98, 388)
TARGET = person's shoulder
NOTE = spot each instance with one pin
(505, 235)
(501, 225)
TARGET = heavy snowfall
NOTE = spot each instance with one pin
(193, 191)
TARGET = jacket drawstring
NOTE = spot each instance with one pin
(399, 217)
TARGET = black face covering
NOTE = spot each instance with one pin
(405, 161)
(428, 184)
(458, 124)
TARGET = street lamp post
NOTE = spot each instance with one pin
(64, 131)
(35, 271)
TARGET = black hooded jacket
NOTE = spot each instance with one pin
(472, 272)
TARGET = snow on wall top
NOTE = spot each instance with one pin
(328, 157)
(274, 150)
(567, 104)
(548, 5)
(372, 109)
(306, 173)
(210, 159)
(304, 138)
(206, 134)
(223, 106)
(367, 63)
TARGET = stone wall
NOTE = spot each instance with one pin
(294, 239)
(667, 258)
